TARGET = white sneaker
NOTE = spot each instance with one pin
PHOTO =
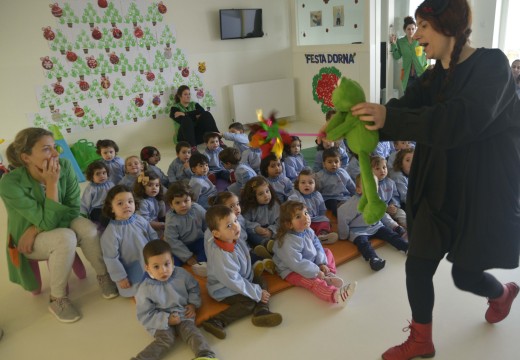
(329, 238)
(345, 293)
(200, 269)
(333, 280)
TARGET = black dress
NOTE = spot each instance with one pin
(194, 124)
(464, 185)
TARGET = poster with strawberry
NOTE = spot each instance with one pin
(323, 83)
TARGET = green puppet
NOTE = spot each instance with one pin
(360, 140)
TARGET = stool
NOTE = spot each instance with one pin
(77, 267)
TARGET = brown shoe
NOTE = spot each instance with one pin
(215, 328)
(265, 318)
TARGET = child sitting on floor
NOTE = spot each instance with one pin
(402, 165)
(123, 240)
(213, 148)
(201, 187)
(152, 156)
(184, 225)
(305, 191)
(108, 150)
(293, 159)
(148, 192)
(230, 158)
(252, 156)
(398, 145)
(272, 169)
(302, 261)
(230, 276)
(325, 145)
(179, 168)
(353, 227)
(133, 168)
(95, 192)
(166, 304)
(237, 135)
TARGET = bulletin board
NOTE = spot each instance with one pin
(328, 22)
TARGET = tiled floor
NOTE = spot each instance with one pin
(311, 329)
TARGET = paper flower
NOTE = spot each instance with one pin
(268, 136)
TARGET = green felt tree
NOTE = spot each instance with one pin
(138, 87)
(148, 39)
(58, 71)
(97, 92)
(194, 81)
(118, 89)
(114, 115)
(133, 113)
(84, 41)
(60, 43)
(159, 85)
(167, 37)
(151, 110)
(208, 101)
(128, 39)
(178, 80)
(80, 68)
(107, 41)
(90, 15)
(153, 15)
(159, 62)
(67, 122)
(104, 65)
(141, 64)
(123, 66)
(41, 121)
(48, 98)
(68, 17)
(72, 92)
(134, 15)
(179, 59)
(112, 15)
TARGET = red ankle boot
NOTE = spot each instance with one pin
(418, 344)
(499, 307)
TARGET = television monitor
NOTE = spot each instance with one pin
(240, 23)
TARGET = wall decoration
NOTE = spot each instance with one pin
(323, 83)
(111, 63)
(321, 22)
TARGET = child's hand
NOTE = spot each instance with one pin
(191, 311)
(174, 319)
(321, 275)
(187, 164)
(124, 284)
(324, 268)
(391, 209)
(262, 231)
(191, 261)
(265, 296)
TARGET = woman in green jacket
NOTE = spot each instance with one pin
(42, 199)
(414, 58)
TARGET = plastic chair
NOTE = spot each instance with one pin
(77, 267)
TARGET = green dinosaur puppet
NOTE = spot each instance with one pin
(360, 140)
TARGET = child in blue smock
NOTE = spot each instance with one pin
(271, 168)
(325, 145)
(166, 302)
(133, 168)
(95, 192)
(213, 149)
(230, 158)
(230, 276)
(149, 193)
(184, 225)
(201, 186)
(179, 168)
(293, 159)
(123, 240)
(151, 156)
(237, 135)
(402, 165)
(252, 156)
(108, 150)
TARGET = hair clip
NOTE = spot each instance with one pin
(433, 7)
(143, 179)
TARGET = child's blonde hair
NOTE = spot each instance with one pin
(143, 164)
(287, 211)
(376, 161)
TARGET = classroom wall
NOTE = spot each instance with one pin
(197, 30)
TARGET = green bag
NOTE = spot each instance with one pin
(84, 152)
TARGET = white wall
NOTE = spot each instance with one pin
(196, 24)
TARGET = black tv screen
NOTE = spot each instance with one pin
(240, 23)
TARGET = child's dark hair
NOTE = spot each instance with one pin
(398, 162)
(321, 147)
(221, 198)
(210, 135)
(307, 171)
(376, 161)
(328, 153)
(180, 145)
(105, 144)
(264, 163)
(287, 147)
(215, 214)
(198, 159)
(148, 151)
(330, 114)
(93, 166)
(142, 181)
(107, 206)
(154, 248)
(178, 189)
(237, 126)
(248, 196)
(230, 155)
(287, 211)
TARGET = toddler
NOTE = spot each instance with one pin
(213, 149)
(95, 192)
(230, 159)
(230, 276)
(133, 168)
(166, 304)
(402, 165)
(185, 226)
(383, 149)
(123, 240)
(252, 156)
(398, 145)
(336, 185)
(149, 194)
(293, 160)
(151, 156)
(302, 261)
(305, 192)
(180, 169)
(353, 227)
(237, 135)
(271, 168)
(262, 210)
(260, 257)
(340, 143)
(387, 191)
(325, 145)
(108, 150)
(201, 187)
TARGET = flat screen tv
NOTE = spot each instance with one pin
(240, 23)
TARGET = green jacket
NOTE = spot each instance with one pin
(27, 205)
(402, 48)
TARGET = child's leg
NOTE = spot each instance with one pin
(331, 263)
(197, 248)
(253, 239)
(192, 336)
(239, 306)
(364, 247)
(163, 341)
(320, 226)
(400, 217)
(317, 286)
(332, 205)
(392, 238)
